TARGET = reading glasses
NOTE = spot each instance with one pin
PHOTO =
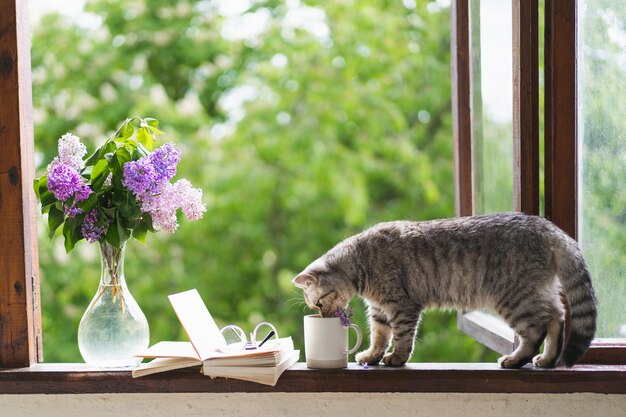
(236, 339)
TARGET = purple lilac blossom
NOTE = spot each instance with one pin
(72, 211)
(90, 231)
(344, 316)
(64, 181)
(139, 175)
(164, 160)
(72, 151)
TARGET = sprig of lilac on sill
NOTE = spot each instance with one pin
(344, 316)
(121, 191)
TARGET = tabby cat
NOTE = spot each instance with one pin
(510, 263)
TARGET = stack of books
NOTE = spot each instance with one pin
(207, 347)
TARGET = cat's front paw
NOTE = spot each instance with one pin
(542, 361)
(511, 362)
(395, 359)
(368, 357)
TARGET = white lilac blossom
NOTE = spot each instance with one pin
(190, 200)
(164, 204)
(72, 151)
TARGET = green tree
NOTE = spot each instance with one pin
(334, 117)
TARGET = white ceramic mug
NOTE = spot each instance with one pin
(326, 342)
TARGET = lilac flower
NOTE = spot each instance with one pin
(163, 205)
(164, 159)
(82, 193)
(90, 231)
(72, 151)
(72, 211)
(344, 316)
(148, 178)
(64, 181)
(139, 175)
(191, 200)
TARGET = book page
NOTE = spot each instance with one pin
(162, 365)
(170, 350)
(198, 323)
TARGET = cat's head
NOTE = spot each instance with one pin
(325, 288)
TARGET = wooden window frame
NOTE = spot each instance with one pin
(20, 334)
(20, 315)
(560, 138)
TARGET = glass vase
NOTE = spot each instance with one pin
(113, 327)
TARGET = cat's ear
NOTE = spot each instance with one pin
(304, 279)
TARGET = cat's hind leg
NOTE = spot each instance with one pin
(533, 314)
(529, 343)
(533, 323)
(553, 346)
(380, 337)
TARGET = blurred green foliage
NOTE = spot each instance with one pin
(602, 130)
(333, 117)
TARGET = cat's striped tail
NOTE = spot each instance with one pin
(576, 282)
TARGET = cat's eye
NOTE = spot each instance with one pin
(318, 305)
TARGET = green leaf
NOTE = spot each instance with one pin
(99, 169)
(131, 145)
(55, 219)
(140, 152)
(122, 231)
(47, 198)
(94, 157)
(41, 186)
(153, 125)
(113, 236)
(113, 163)
(109, 212)
(123, 155)
(86, 172)
(127, 129)
(151, 122)
(145, 138)
(140, 232)
(89, 204)
(108, 146)
(148, 220)
(69, 241)
(72, 232)
(36, 187)
(126, 205)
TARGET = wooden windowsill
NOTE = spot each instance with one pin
(424, 377)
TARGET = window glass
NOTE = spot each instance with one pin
(602, 156)
(492, 104)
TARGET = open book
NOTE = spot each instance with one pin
(207, 348)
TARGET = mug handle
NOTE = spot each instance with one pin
(357, 345)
